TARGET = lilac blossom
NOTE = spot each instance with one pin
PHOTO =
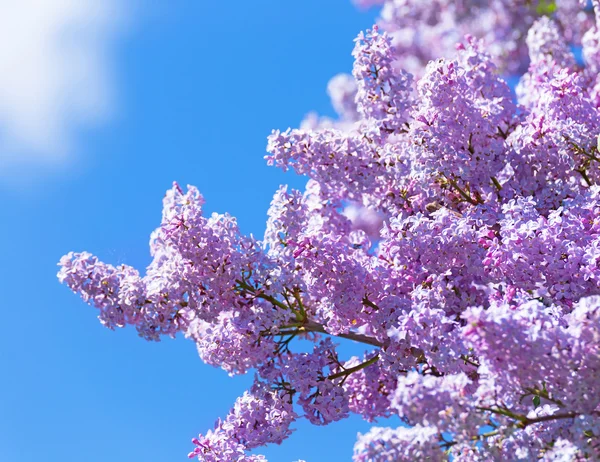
(448, 227)
(401, 444)
(383, 92)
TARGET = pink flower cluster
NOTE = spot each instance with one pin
(450, 227)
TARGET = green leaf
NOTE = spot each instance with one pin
(536, 401)
(546, 7)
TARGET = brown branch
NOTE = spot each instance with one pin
(545, 418)
(356, 368)
(312, 326)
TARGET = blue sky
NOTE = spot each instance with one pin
(184, 91)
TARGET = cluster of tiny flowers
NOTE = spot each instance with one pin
(448, 224)
(369, 390)
(423, 30)
(383, 92)
(386, 444)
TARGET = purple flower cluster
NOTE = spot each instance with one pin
(383, 93)
(424, 30)
(450, 227)
(260, 416)
(386, 444)
(313, 378)
(369, 389)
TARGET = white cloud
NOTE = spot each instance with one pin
(55, 76)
